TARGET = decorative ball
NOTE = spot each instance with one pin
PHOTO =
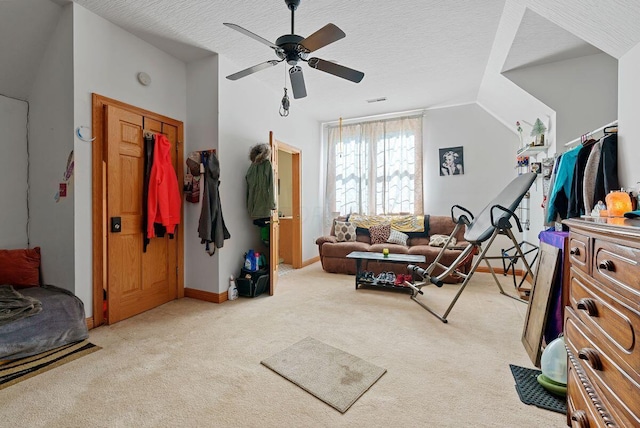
(385, 252)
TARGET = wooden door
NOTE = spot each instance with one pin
(136, 281)
(274, 233)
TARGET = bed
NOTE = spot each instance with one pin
(60, 321)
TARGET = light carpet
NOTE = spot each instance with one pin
(334, 376)
(191, 363)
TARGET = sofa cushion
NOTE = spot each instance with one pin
(440, 240)
(342, 249)
(20, 267)
(345, 231)
(379, 233)
(333, 225)
(397, 237)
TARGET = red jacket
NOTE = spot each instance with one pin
(163, 202)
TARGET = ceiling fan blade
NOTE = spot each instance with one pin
(297, 82)
(336, 69)
(328, 34)
(251, 70)
(252, 35)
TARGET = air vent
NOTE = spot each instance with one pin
(377, 100)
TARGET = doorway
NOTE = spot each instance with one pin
(129, 277)
(286, 231)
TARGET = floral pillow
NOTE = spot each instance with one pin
(397, 237)
(379, 233)
(440, 240)
(345, 231)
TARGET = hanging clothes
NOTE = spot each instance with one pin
(149, 143)
(163, 201)
(260, 189)
(589, 180)
(607, 177)
(552, 180)
(576, 198)
(559, 199)
(211, 227)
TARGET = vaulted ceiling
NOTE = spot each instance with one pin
(416, 53)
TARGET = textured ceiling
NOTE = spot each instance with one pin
(540, 41)
(417, 53)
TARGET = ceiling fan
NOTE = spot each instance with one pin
(294, 48)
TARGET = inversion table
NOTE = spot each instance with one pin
(492, 221)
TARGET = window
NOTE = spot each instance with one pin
(375, 167)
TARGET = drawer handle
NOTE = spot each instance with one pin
(588, 305)
(606, 265)
(580, 418)
(591, 356)
(575, 251)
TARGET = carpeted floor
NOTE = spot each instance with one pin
(191, 363)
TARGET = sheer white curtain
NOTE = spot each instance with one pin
(375, 167)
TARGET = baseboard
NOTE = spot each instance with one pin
(207, 296)
(310, 261)
(89, 323)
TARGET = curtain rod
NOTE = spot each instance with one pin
(579, 139)
(382, 116)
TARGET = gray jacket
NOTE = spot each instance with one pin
(211, 228)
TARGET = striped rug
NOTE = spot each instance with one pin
(12, 372)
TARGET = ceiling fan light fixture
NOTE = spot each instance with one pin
(293, 48)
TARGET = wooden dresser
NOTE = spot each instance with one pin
(602, 323)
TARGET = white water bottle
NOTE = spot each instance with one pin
(233, 290)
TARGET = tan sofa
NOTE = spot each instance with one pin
(333, 254)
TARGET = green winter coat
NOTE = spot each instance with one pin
(260, 189)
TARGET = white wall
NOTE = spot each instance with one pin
(201, 133)
(489, 160)
(582, 91)
(285, 196)
(13, 173)
(248, 111)
(106, 61)
(50, 143)
(629, 123)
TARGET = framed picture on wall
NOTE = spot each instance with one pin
(451, 161)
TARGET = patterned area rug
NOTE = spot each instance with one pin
(12, 372)
(334, 376)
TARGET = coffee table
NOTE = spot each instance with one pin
(359, 256)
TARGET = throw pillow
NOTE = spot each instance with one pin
(379, 233)
(439, 241)
(345, 231)
(397, 237)
(20, 267)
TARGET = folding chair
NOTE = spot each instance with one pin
(492, 221)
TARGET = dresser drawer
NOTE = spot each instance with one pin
(579, 251)
(611, 323)
(617, 390)
(581, 411)
(618, 267)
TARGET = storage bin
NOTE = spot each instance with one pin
(252, 284)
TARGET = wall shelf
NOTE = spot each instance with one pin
(532, 149)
